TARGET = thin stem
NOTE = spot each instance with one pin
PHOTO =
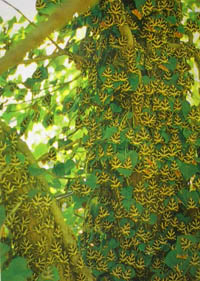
(40, 58)
(60, 86)
(38, 98)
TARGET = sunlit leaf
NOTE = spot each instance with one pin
(40, 149)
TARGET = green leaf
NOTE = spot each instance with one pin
(133, 80)
(21, 157)
(115, 108)
(184, 195)
(100, 71)
(11, 22)
(121, 156)
(113, 243)
(127, 203)
(91, 181)
(94, 206)
(192, 238)
(165, 135)
(171, 259)
(69, 165)
(62, 169)
(56, 183)
(185, 108)
(4, 249)
(8, 158)
(186, 133)
(111, 217)
(142, 247)
(59, 169)
(171, 19)
(22, 19)
(79, 201)
(48, 10)
(2, 214)
(134, 157)
(54, 275)
(96, 273)
(139, 3)
(123, 221)
(17, 270)
(183, 218)
(127, 192)
(153, 219)
(60, 68)
(173, 80)
(139, 207)
(34, 170)
(109, 132)
(32, 193)
(43, 74)
(171, 65)
(40, 149)
(55, 272)
(29, 82)
(187, 170)
(145, 79)
(181, 29)
(2, 81)
(124, 172)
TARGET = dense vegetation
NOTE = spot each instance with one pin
(114, 94)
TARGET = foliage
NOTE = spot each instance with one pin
(37, 230)
(17, 268)
(125, 140)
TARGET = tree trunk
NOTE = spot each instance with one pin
(37, 227)
(143, 218)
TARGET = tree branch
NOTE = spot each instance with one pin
(57, 20)
(32, 23)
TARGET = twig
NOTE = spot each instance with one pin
(60, 86)
(62, 196)
(40, 58)
(38, 98)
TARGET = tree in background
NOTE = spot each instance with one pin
(125, 142)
